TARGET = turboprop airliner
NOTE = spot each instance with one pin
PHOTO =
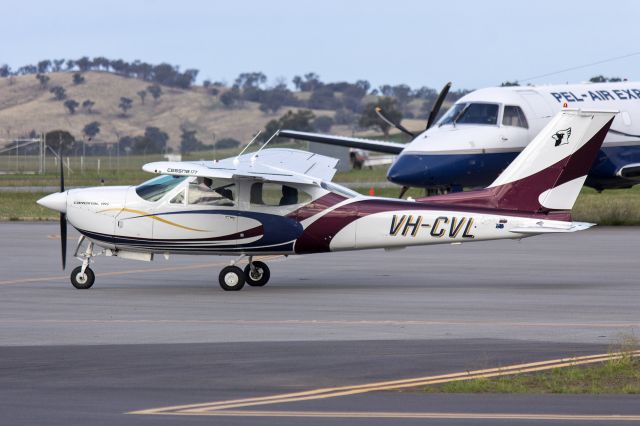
(485, 130)
(282, 202)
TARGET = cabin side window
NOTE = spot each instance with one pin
(275, 194)
(210, 192)
(514, 116)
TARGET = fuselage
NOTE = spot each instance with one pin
(175, 215)
(486, 129)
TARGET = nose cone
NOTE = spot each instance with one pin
(56, 201)
(410, 170)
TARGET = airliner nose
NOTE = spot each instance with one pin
(410, 170)
(56, 201)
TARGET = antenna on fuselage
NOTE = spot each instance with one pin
(248, 145)
(265, 144)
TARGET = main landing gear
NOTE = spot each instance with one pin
(233, 278)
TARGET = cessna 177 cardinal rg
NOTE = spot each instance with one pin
(486, 129)
(281, 201)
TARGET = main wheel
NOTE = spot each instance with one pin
(231, 278)
(259, 276)
(82, 281)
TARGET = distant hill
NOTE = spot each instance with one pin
(26, 106)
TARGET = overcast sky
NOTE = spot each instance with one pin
(472, 43)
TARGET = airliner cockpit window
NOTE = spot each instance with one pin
(154, 189)
(514, 116)
(471, 113)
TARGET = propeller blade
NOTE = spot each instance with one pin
(398, 126)
(403, 191)
(437, 105)
(63, 238)
(61, 172)
(63, 217)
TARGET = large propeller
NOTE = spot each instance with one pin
(392, 123)
(63, 220)
(430, 121)
(432, 115)
(437, 105)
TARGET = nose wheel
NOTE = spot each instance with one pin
(82, 280)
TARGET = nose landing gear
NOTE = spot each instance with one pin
(82, 277)
(256, 274)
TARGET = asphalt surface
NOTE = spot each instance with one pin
(159, 334)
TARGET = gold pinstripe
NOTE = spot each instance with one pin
(154, 217)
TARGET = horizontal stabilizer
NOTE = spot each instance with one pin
(366, 144)
(553, 229)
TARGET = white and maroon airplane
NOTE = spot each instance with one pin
(280, 201)
(486, 129)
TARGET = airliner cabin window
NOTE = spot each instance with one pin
(513, 116)
(211, 192)
(275, 194)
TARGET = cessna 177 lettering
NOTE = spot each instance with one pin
(486, 129)
(282, 202)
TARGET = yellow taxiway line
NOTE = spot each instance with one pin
(417, 415)
(224, 407)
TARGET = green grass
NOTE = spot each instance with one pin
(22, 206)
(611, 377)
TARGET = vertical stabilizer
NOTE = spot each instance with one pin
(550, 172)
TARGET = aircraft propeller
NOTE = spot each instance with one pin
(63, 221)
(392, 123)
(437, 105)
(430, 121)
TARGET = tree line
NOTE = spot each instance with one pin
(164, 73)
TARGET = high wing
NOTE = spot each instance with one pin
(277, 165)
(368, 144)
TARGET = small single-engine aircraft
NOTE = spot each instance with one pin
(485, 130)
(281, 201)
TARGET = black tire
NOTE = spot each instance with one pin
(262, 279)
(82, 282)
(231, 278)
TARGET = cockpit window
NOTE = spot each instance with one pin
(471, 113)
(339, 189)
(513, 116)
(154, 189)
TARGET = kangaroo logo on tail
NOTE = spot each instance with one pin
(562, 136)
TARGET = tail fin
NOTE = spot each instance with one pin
(549, 173)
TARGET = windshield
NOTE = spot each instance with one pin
(154, 189)
(339, 189)
(471, 113)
